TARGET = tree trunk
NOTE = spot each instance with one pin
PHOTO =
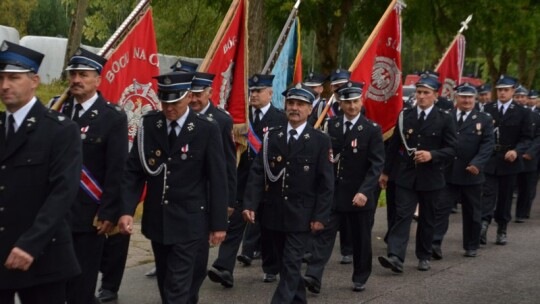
(522, 63)
(492, 69)
(256, 40)
(75, 31)
(533, 63)
(504, 59)
(328, 36)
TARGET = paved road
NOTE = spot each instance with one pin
(500, 274)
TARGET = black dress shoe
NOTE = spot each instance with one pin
(423, 265)
(483, 233)
(346, 259)
(244, 259)
(105, 295)
(269, 278)
(312, 284)
(470, 253)
(358, 287)
(392, 262)
(501, 239)
(520, 220)
(151, 273)
(256, 255)
(307, 257)
(224, 277)
(436, 252)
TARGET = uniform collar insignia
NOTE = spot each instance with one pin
(474, 116)
(61, 118)
(159, 124)
(280, 134)
(30, 121)
(360, 128)
(190, 126)
(94, 113)
(306, 136)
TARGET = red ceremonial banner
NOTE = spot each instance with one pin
(228, 64)
(451, 67)
(127, 76)
(380, 70)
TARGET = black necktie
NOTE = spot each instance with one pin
(78, 108)
(501, 111)
(421, 119)
(172, 133)
(348, 126)
(11, 128)
(257, 118)
(292, 139)
(461, 118)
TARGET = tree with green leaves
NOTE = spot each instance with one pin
(503, 33)
(15, 14)
(49, 18)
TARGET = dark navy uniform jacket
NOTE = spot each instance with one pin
(474, 147)
(437, 135)
(39, 179)
(318, 106)
(534, 147)
(192, 200)
(360, 163)
(225, 122)
(273, 117)
(104, 138)
(514, 133)
(304, 194)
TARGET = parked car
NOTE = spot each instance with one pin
(408, 93)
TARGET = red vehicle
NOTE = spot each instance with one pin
(411, 79)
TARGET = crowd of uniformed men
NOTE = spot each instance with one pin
(67, 180)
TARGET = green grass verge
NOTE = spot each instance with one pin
(382, 199)
(47, 91)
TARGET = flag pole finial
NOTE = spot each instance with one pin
(297, 5)
(465, 24)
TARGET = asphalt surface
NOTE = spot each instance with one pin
(499, 274)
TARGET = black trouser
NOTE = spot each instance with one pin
(398, 236)
(497, 199)
(290, 250)
(470, 197)
(252, 239)
(323, 244)
(361, 224)
(228, 249)
(390, 206)
(113, 261)
(526, 183)
(345, 238)
(175, 269)
(88, 249)
(269, 253)
(199, 273)
(48, 293)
